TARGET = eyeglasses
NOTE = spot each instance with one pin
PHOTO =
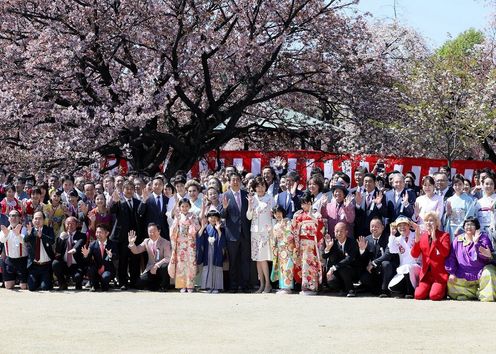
(14, 215)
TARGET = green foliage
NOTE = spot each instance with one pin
(461, 46)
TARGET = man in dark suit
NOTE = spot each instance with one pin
(399, 200)
(126, 219)
(369, 204)
(377, 264)
(235, 206)
(99, 256)
(289, 200)
(442, 185)
(68, 257)
(153, 207)
(359, 176)
(39, 242)
(342, 260)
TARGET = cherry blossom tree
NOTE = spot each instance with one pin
(148, 81)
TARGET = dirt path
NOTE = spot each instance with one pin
(146, 322)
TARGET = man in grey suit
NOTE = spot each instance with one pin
(235, 206)
(155, 276)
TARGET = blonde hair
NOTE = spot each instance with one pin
(434, 215)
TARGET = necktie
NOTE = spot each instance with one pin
(37, 248)
(130, 204)
(369, 199)
(69, 247)
(159, 205)
(102, 251)
(238, 199)
(375, 241)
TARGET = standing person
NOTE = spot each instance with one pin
(471, 274)
(193, 188)
(315, 186)
(153, 208)
(341, 208)
(98, 215)
(406, 279)
(55, 213)
(290, 198)
(155, 276)
(15, 264)
(428, 202)
(342, 254)
(434, 247)
(359, 176)
(443, 188)
(39, 243)
(32, 205)
(235, 206)
(182, 266)
(9, 203)
(458, 207)
(68, 260)
(270, 177)
(211, 248)
(485, 208)
(99, 256)
(399, 200)
(284, 252)
(369, 204)
(307, 228)
(259, 212)
(126, 211)
(377, 263)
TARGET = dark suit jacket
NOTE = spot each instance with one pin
(149, 211)
(396, 209)
(125, 221)
(47, 238)
(364, 215)
(95, 257)
(346, 258)
(237, 224)
(378, 253)
(292, 205)
(79, 240)
(449, 193)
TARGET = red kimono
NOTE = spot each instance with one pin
(433, 276)
(308, 233)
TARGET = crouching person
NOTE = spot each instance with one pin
(155, 276)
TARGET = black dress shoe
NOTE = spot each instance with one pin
(383, 295)
(351, 293)
(93, 289)
(247, 290)
(233, 291)
(62, 287)
(123, 288)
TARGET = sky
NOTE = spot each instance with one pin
(436, 20)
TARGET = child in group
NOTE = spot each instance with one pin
(284, 252)
(308, 230)
(182, 266)
(211, 247)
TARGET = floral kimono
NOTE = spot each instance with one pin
(284, 253)
(182, 266)
(308, 230)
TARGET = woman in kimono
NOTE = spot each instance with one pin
(283, 250)
(428, 201)
(182, 266)
(9, 203)
(211, 247)
(259, 212)
(55, 212)
(458, 207)
(485, 207)
(406, 279)
(471, 274)
(308, 230)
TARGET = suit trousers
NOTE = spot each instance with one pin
(102, 280)
(155, 281)
(378, 281)
(343, 279)
(239, 253)
(39, 277)
(62, 271)
(128, 260)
